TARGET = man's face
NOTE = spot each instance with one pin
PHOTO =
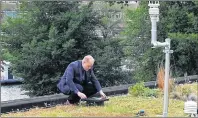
(87, 65)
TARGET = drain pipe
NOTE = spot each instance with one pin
(154, 15)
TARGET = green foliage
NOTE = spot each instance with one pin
(44, 42)
(108, 56)
(185, 48)
(178, 22)
(140, 90)
(137, 46)
(137, 89)
(50, 35)
(151, 92)
(184, 37)
(182, 29)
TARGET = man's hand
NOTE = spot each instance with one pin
(81, 95)
(102, 94)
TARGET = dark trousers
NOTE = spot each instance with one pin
(88, 89)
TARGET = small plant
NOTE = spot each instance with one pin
(160, 80)
(140, 90)
(137, 89)
(151, 92)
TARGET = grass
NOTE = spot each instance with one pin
(119, 106)
(190, 87)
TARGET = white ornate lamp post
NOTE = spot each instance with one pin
(154, 15)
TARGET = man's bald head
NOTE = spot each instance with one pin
(89, 59)
(88, 62)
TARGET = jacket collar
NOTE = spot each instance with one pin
(81, 67)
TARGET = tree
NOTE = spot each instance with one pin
(46, 39)
(108, 56)
(108, 52)
(175, 18)
(49, 35)
(137, 46)
(183, 30)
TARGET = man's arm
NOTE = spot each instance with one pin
(69, 75)
(97, 84)
(95, 81)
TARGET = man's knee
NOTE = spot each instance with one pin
(67, 90)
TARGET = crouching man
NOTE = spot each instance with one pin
(79, 81)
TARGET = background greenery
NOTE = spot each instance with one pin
(49, 35)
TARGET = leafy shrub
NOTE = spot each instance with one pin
(137, 89)
(151, 92)
(140, 90)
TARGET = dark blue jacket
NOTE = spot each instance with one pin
(74, 74)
